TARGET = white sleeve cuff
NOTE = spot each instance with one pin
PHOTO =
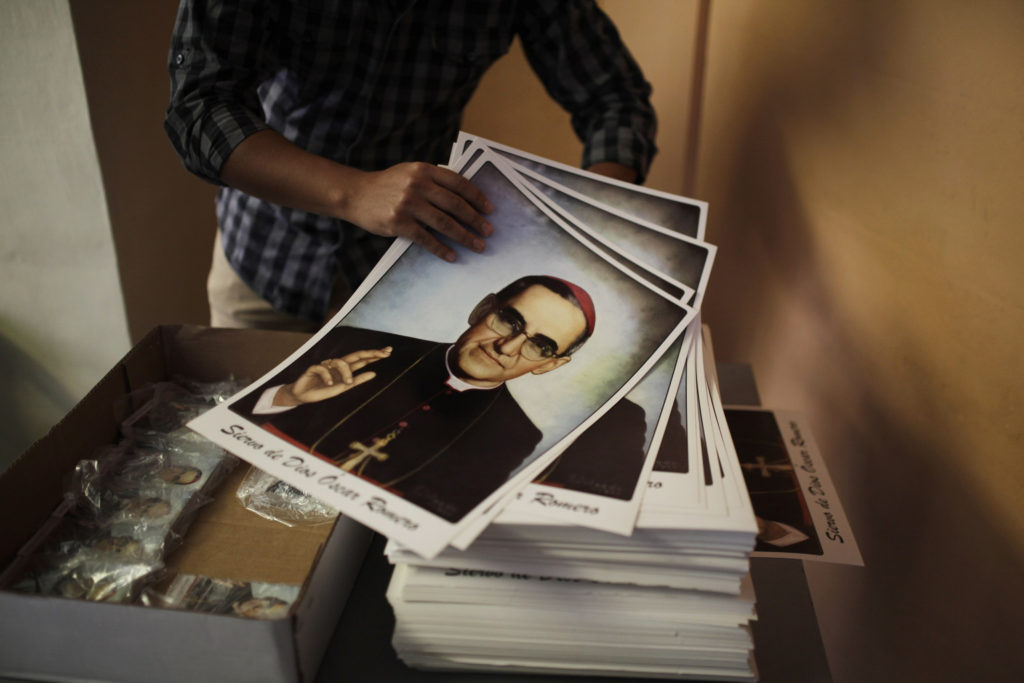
(265, 406)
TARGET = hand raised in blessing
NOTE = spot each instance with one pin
(330, 377)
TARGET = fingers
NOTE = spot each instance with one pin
(342, 387)
(333, 376)
(334, 370)
(425, 239)
(340, 371)
(463, 200)
(359, 359)
(322, 372)
(421, 202)
(328, 379)
(453, 205)
(440, 201)
(362, 377)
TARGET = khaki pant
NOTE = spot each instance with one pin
(234, 304)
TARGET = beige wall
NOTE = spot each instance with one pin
(862, 161)
(862, 164)
(62, 322)
(162, 217)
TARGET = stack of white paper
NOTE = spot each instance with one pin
(534, 593)
(469, 619)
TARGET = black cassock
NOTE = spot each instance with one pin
(607, 458)
(406, 429)
(673, 454)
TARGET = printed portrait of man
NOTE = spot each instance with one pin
(605, 460)
(431, 421)
(180, 475)
(673, 453)
(784, 522)
(261, 608)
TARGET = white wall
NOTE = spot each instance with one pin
(62, 320)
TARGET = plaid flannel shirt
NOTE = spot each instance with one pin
(371, 83)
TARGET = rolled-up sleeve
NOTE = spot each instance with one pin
(577, 53)
(216, 63)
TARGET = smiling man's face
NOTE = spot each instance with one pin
(484, 357)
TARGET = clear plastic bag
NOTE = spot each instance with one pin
(275, 500)
(161, 421)
(252, 600)
(127, 507)
(87, 575)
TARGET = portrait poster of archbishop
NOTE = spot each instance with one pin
(441, 387)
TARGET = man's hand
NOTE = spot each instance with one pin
(412, 199)
(407, 200)
(330, 377)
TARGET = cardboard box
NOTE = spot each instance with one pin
(54, 638)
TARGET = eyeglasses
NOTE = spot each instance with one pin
(508, 322)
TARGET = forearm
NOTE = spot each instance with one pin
(268, 166)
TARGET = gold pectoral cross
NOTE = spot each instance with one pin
(764, 468)
(361, 452)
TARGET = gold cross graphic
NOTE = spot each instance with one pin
(764, 468)
(362, 452)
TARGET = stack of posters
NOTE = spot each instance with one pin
(546, 408)
(669, 598)
(461, 619)
(690, 524)
(440, 391)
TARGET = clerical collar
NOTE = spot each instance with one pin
(455, 382)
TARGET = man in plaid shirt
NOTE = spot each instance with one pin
(316, 119)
